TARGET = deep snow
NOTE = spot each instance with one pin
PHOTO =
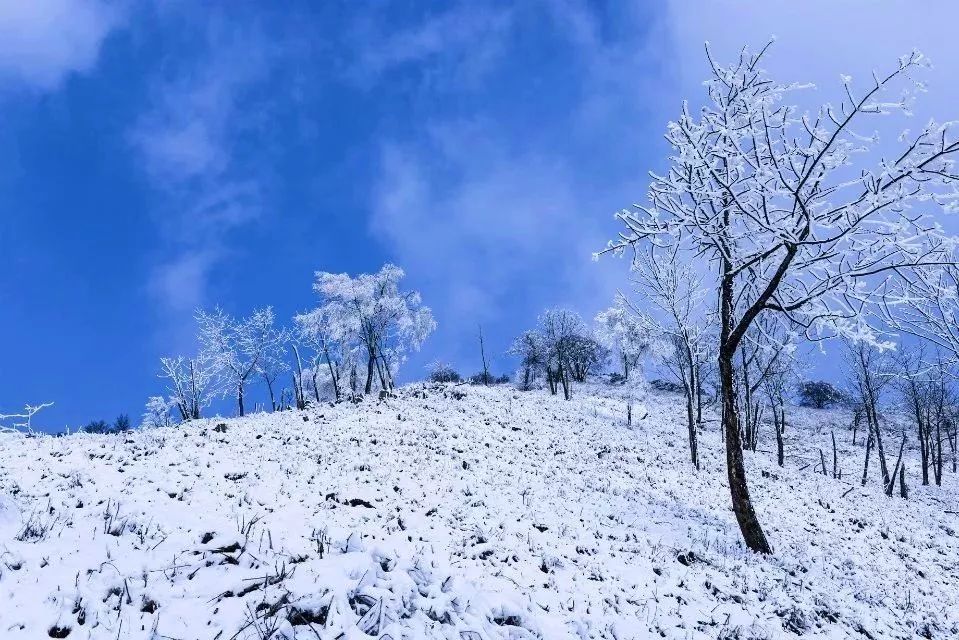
(464, 513)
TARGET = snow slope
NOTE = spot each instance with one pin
(468, 514)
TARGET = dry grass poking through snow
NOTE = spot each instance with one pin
(494, 515)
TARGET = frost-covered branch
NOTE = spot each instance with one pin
(24, 419)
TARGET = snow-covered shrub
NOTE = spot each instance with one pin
(442, 372)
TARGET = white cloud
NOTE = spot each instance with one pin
(454, 48)
(188, 142)
(182, 281)
(43, 41)
(497, 220)
(505, 232)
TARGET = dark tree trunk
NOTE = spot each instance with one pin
(298, 380)
(239, 398)
(779, 423)
(735, 465)
(380, 372)
(333, 376)
(370, 365)
(937, 460)
(483, 357)
(269, 388)
(865, 467)
(691, 426)
(891, 484)
(835, 457)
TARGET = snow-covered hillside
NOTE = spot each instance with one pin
(468, 514)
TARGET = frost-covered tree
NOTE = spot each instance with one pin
(869, 371)
(372, 312)
(795, 216)
(619, 331)
(765, 348)
(237, 347)
(562, 348)
(272, 363)
(925, 386)
(156, 413)
(560, 330)
(531, 351)
(192, 383)
(676, 315)
(764, 374)
(586, 355)
(779, 378)
(330, 345)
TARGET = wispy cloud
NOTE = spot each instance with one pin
(452, 48)
(510, 209)
(43, 41)
(189, 141)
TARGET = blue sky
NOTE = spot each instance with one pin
(159, 157)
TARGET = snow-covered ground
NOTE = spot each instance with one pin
(495, 514)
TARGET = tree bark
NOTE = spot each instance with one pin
(370, 365)
(735, 466)
(333, 376)
(865, 467)
(779, 423)
(691, 425)
(483, 356)
(269, 388)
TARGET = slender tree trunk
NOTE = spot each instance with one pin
(380, 366)
(953, 438)
(835, 457)
(483, 357)
(865, 467)
(779, 420)
(937, 461)
(922, 431)
(699, 392)
(371, 363)
(298, 380)
(856, 417)
(895, 470)
(691, 426)
(873, 412)
(735, 466)
(239, 398)
(333, 376)
(269, 388)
